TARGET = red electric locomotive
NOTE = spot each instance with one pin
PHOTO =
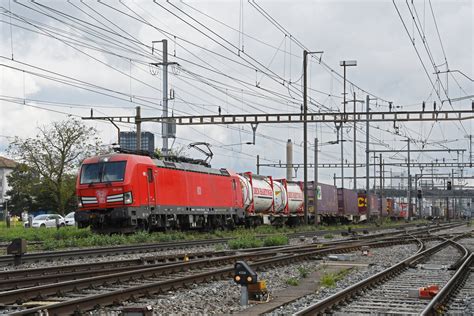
(122, 193)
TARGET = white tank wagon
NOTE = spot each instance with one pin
(267, 198)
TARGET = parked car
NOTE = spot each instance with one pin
(47, 220)
(69, 219)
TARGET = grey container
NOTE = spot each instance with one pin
(327, 204)
(347, 202)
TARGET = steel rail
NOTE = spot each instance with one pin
(436, 306)
(90, 302)
(341, 296)
(16, 279)
(117, 250)
(352, 290)
(24, 294)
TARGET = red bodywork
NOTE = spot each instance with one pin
(156, 188)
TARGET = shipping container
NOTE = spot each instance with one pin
(374, 204)
(390, 206)
(327, 199)
(347, 202)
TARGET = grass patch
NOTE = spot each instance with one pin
(293, 281)
(329, 236)
(304, 272)
(278, 240)
(330, 279)
(67, 237)
(245, 242)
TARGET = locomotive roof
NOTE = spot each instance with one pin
(189, 167)
(160, 163)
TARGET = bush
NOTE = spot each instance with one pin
(328, 236)
(245, 242)
(277, 240)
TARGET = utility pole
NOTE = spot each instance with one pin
(367, 154)
(342, 152)
(375, 172)
(165, 125)
(138, 122)
(381, 186)
(470, 151)
(410, 211)
(416, 198)
(258, 164)
(316, 179)
(305, 135)
(355, 146)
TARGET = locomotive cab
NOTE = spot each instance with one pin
(106, 194)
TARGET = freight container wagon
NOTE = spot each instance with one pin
(348, 204)
(327, 210)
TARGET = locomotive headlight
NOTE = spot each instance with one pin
(127, 198)
(79, 202)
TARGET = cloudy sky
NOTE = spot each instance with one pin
(59, 59)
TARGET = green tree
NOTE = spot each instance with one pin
(27, 191)
(54, 155)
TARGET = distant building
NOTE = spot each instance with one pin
(6, 167)
(128, 140)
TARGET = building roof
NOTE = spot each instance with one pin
(7, 163)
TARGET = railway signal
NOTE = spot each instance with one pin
(244, 275)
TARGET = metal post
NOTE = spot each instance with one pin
(164, 125)
(316, 179)
(367, 154)
(258, 164)
(375, 173)
(289, 160)
(344, 94)
(381, 186)
(416, 190)
(355, 147)
(342, 155)
(305, 135)
(410, 211)
(470, 151)
(452, 189)
(244, 295)
(138, 122)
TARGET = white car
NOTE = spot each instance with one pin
(47, 220)
(69, 219)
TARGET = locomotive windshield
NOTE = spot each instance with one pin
(103, 172)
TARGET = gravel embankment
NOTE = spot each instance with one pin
(222, 297)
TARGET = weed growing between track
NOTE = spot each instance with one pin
(72, 237)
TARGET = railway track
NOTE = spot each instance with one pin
(394, 290)
(22, 278)
(457, 297)
(86, 293)
(64, 255)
